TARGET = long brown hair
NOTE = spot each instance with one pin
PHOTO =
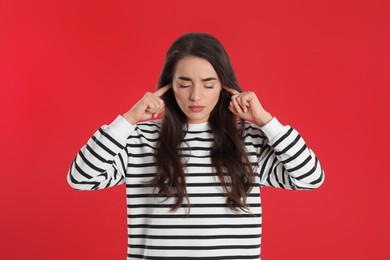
(228, 154)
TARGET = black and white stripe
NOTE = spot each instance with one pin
(122, 153)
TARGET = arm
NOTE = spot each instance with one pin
(102, 162)
(286, 161)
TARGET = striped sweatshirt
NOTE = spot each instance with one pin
(122, 153)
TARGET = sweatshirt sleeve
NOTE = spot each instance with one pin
(102, 161)
(286, 161)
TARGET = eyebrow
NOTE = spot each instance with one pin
(189, 79)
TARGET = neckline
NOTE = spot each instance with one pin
(198, 126)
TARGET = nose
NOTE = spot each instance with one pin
(195, 93)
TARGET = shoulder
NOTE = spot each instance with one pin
(149, 130)
(252, 135)
(250, 129)
(151, 125)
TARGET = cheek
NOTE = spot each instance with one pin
(180, 96)
(214, 97)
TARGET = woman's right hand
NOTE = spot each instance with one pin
(148, 107)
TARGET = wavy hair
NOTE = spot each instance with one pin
(228, 155)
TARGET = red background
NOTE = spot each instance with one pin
(68, 67)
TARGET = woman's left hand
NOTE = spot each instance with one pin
(247, 106)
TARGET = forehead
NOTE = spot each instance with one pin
(194, 67)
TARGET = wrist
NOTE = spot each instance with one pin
(129, 118)
(264, 119)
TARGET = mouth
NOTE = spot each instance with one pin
(196, 109)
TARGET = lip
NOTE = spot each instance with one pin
(196, 109)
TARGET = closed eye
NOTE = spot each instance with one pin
(185, 86)
(209, 87)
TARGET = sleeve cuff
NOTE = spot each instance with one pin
(272, 129)
(120, 127)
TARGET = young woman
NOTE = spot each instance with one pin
(193, 178)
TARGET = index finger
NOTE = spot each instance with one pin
(159, 92)
(230, 90)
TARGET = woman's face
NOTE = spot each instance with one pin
(196, 87)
